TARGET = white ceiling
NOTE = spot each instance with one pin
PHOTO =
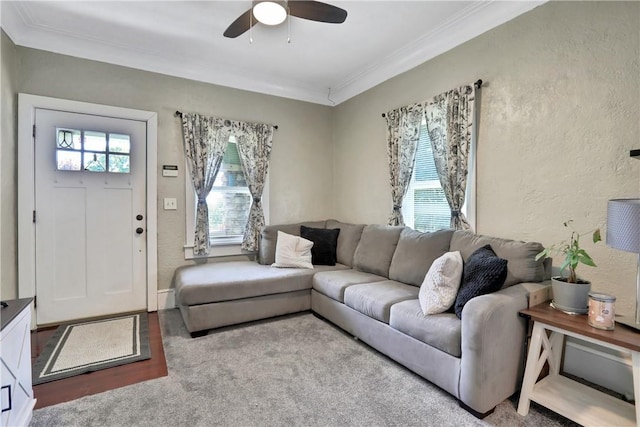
(324, 63)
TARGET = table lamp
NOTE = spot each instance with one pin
(623, 232)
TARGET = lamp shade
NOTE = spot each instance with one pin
(623, 224)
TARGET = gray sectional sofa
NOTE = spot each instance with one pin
(372, 293)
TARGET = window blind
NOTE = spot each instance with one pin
(425, 207)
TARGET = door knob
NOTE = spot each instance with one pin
(139, 230)
(139, 217)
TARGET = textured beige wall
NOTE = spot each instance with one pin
(8, 222)
(300, 170)
(559, 112)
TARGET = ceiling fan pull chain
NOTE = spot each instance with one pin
(288, 24)
(251, 27)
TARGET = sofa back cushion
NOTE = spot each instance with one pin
(376, 248)
(415, 253)
(521, 266)
(348, 240)
(269, 238)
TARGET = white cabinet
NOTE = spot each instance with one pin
(16, 395)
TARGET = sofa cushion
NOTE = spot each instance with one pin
(522, 265)
(376, 248)
(226, 281)
(442, 331)
(333, 283)
(348, 240)
(269, 238)
(325, 241)
(375, 299)
(293, 252)
(484, 273)
(415, 253)
(440, 287)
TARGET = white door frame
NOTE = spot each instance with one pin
(27, 105)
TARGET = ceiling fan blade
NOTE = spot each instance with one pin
(317, 11)
(240, 25)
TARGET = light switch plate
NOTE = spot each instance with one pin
(170, 204)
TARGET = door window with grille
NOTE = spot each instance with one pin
(92, 151)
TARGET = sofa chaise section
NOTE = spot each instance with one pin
(227, 293)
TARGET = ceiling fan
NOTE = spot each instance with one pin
(275, 12)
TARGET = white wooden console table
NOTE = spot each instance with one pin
(574, 400)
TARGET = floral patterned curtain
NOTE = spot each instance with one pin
(254, 147)
(403, 133)
(205, 141)
(450, 125)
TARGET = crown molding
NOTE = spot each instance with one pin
(479, 17)
(19, 25)
(471, 22)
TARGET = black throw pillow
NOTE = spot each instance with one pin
(483, 273)
(324, 241)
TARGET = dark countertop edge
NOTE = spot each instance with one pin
(15, 307)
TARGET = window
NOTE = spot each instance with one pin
(425, 207)
(92, 151)
(228, 202)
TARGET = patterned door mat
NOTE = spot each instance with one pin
(81, 347)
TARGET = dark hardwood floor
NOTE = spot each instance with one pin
(97, 382)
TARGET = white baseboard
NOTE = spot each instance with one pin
(166, 299)
(606, 367)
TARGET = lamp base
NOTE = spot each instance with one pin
(629, 321)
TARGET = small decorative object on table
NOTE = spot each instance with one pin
(570, 294)
(602, 311)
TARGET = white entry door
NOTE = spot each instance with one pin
(90, 234)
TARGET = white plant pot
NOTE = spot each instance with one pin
(571, 298)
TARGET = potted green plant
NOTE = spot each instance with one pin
(571, 294)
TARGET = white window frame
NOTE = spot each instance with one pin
(223, 246)
(469, 206)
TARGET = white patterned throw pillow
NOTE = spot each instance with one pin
(292, 251)
(440, 286)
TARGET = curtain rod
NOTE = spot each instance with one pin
(477, 84)
(179, 114)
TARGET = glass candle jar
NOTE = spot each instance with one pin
(601, 310)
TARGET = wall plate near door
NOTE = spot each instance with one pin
(170, 204)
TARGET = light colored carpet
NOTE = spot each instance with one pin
(294, 371)
(81, 347)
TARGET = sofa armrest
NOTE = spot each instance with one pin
(493, 340)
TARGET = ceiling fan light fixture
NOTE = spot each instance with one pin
(270, 12)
